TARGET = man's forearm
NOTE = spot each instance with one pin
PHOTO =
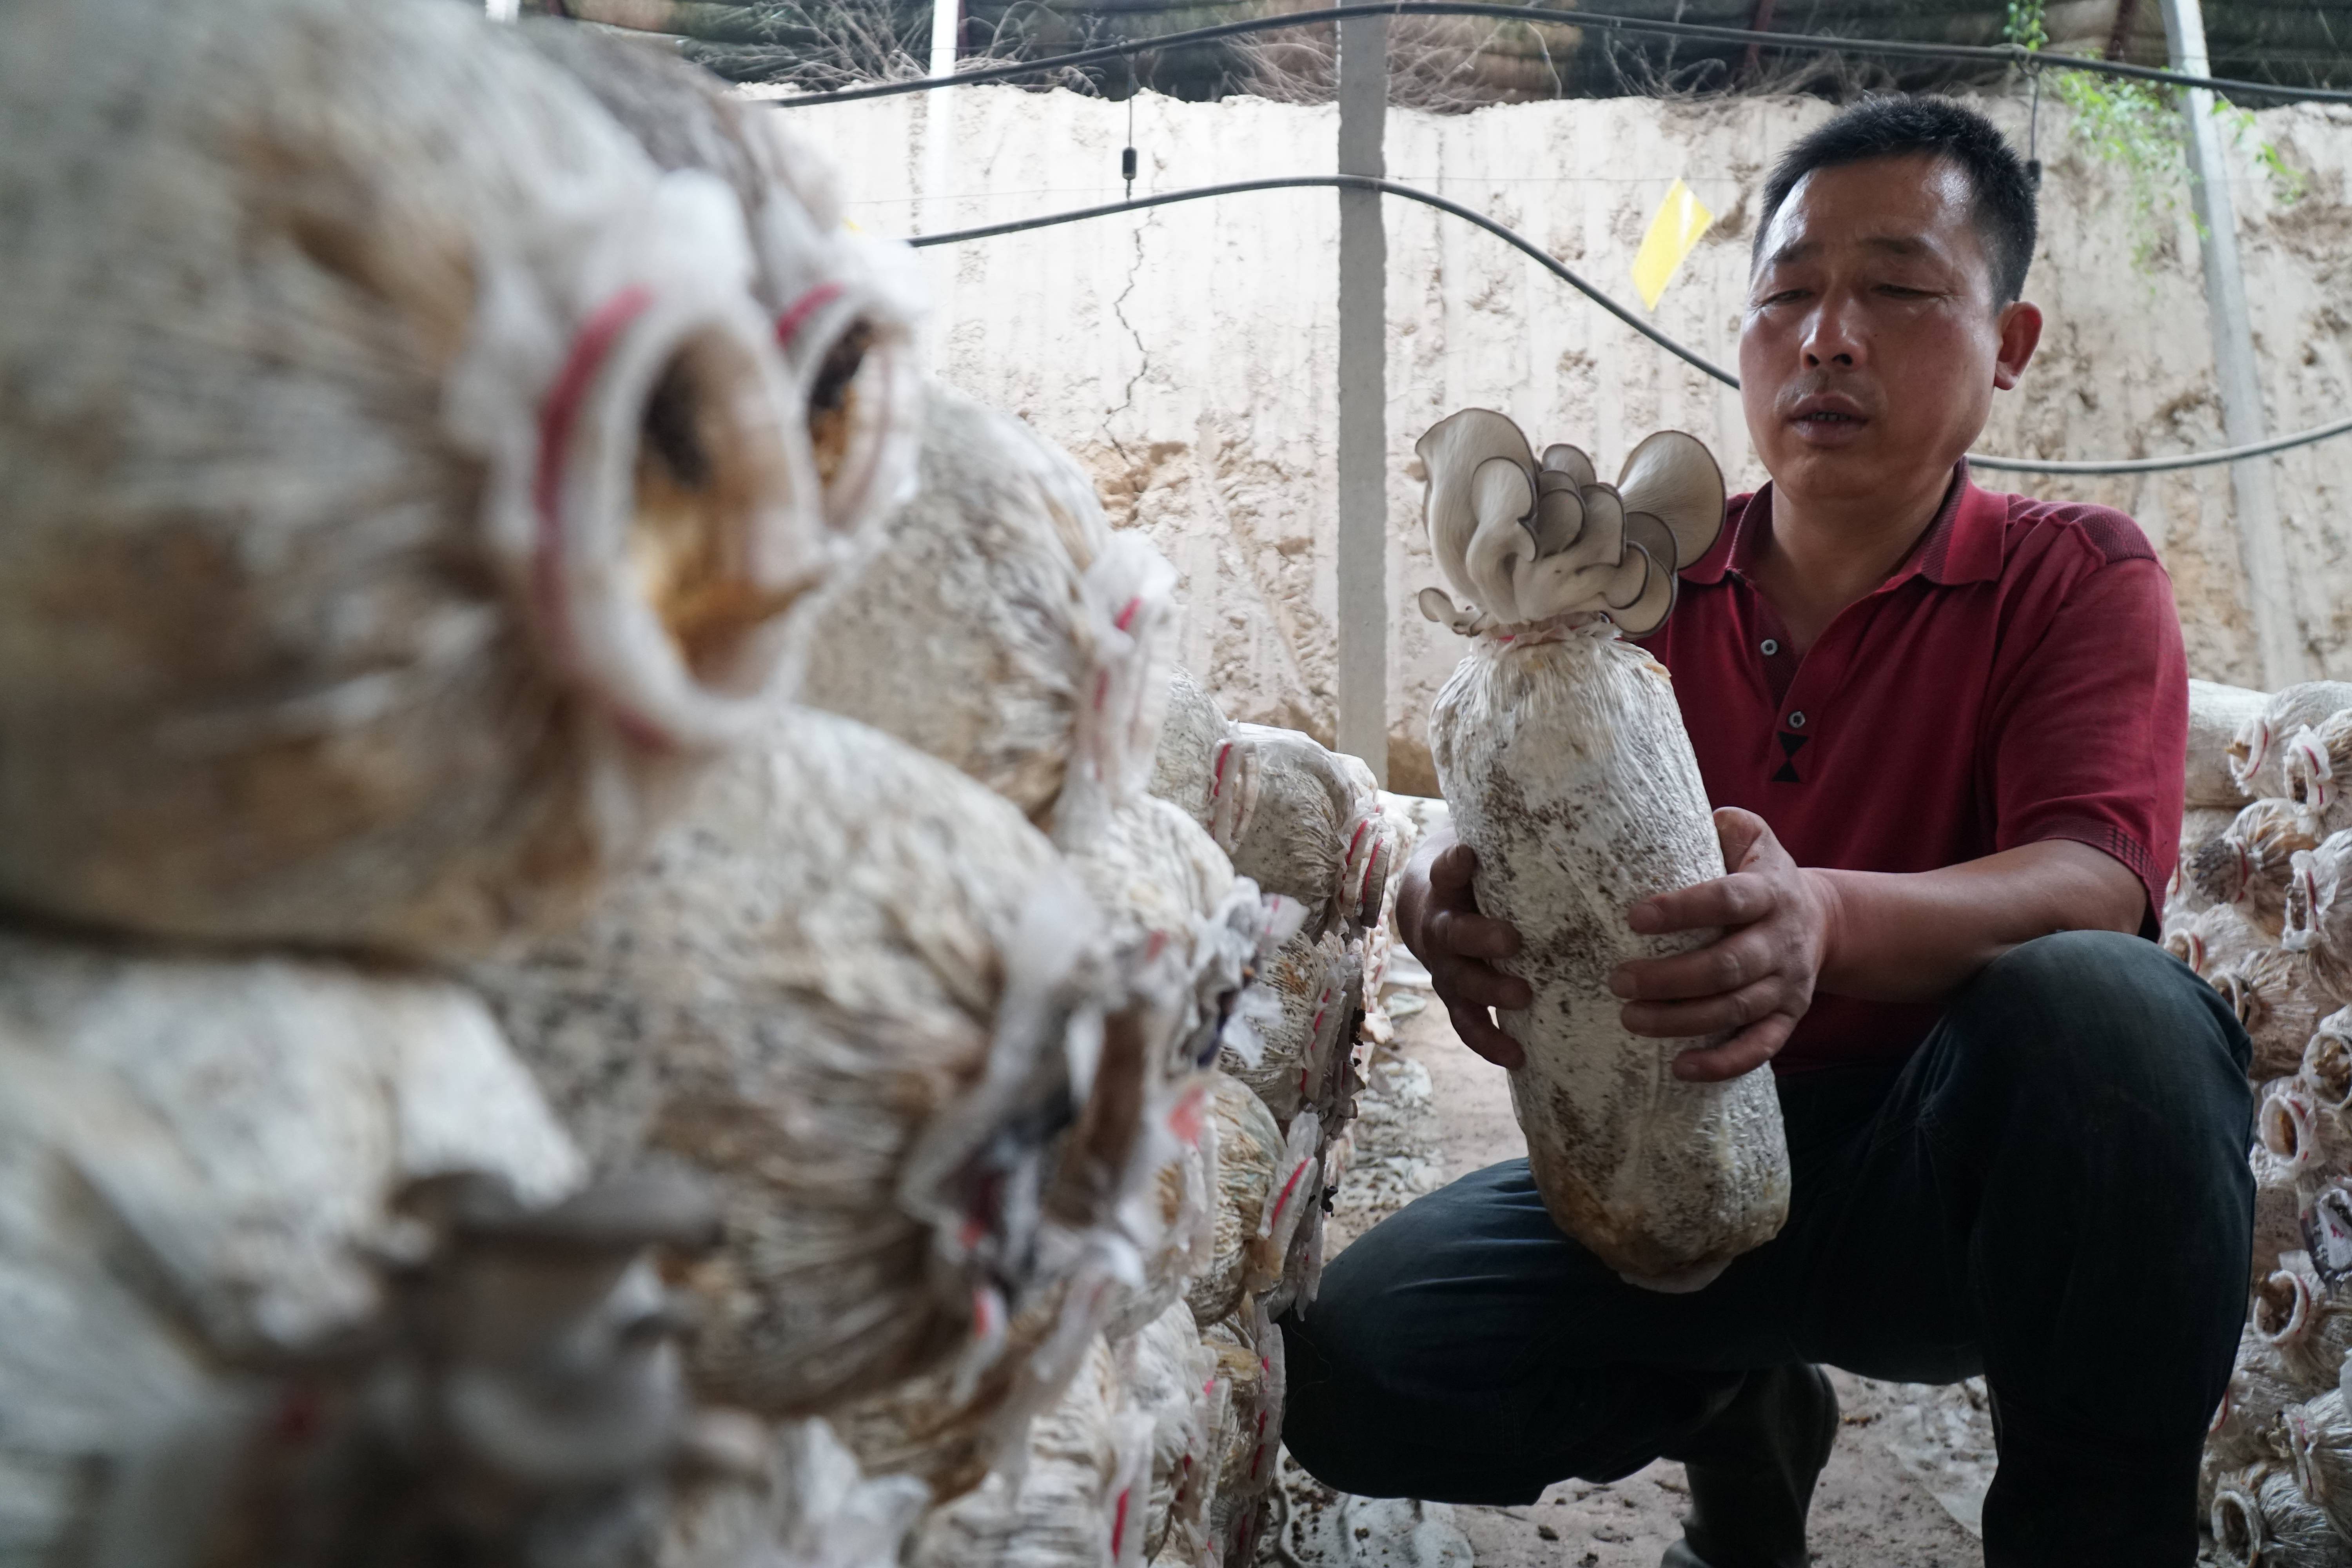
(1920, 936)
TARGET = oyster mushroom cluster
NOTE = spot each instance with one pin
(1528, 540)
(1562, 756)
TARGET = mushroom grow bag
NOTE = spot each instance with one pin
(2249, 865)
(1078, 1501)
(1249, 1352)
(2318, 769)
(1000, 624)
(2216, 715)
(2318, 1443)
(2319, 914)
(1173, 1378)
(2278, 1001)
(1249, 1146)
(406, 492)
(2257, 753)
(1563, 760)
(243, 1203)
(1299, 820)
(954, 1425)
(2261, 1520)
(863, 995)
(795, 1497)
(844, 303)
(1300, 1018)
(2215, 940)
(1183, 1198)
(1198, 936)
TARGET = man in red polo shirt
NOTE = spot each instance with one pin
(1944, 731)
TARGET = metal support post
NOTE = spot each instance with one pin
(937, 111)
(2270, 591)
(1363, 543)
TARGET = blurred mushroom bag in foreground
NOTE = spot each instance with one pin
(404, 486)
(1563, 754)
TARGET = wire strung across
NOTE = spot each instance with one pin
(1569, 276)
(2016, 55)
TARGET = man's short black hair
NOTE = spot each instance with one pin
(1890, 127)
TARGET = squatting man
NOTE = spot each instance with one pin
(1944, 728)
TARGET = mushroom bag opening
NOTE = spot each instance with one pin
(409, 493)
(864, 995)
(1563, 761)
(845, 305)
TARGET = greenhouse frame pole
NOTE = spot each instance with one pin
(2261, 548)
(1362, 696)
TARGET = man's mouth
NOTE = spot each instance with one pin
(1828, 418)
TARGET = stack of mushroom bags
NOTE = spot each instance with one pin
(483, 1076)
(1005, 628)
(2256, 909)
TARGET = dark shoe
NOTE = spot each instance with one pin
(1752, 1468)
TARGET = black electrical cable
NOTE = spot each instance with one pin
(1352, 183)
(1568, 275)
(2015, 55)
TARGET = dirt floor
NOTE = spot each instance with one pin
(1435, 1113)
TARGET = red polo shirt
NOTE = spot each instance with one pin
(2019, 678)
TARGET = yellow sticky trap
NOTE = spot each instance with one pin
(1680, 221)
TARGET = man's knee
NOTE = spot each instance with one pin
(2084, 1016)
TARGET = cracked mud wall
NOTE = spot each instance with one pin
(1186, 355)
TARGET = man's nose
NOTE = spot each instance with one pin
(1833, 336)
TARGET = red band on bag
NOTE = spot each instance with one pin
(796, 315)
(559, 419)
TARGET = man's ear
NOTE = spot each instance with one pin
(2021, 334)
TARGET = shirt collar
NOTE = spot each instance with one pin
(1963, 542)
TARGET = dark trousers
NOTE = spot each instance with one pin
(2051, 1191)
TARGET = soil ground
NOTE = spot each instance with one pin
(1435, 1112)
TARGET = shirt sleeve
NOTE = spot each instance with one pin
(2088, 739)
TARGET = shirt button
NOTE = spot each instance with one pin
(1767, 647)
(1796, 721)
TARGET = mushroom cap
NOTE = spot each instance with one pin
(1673, 478)
(1451, 451)
(1529, 543)
(1648, 610)
(1559, 513)
(1559, 458)
(1603, 540)
(1503, 496)
(1644, 530)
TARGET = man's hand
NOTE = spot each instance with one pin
(1437, 915)
(1757, 978)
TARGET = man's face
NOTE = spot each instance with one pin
(1872, 343)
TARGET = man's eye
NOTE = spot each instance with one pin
(1902, 291)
